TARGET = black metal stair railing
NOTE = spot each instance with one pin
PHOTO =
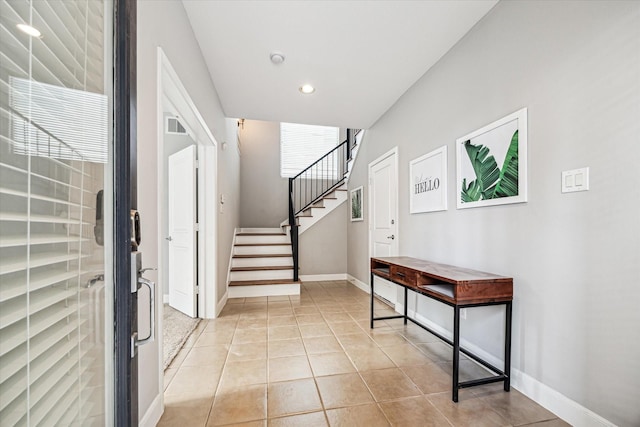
(316, 181)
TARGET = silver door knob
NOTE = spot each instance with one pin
(391, 237)
(168, 238)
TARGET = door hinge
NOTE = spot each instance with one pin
(197, 290)
(197, 163)
(134, 337)
(197, 226)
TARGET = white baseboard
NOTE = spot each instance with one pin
(165, 299)
(554, 401)
(154, 413)
(322, 277)
(222, 303)
(359, 284)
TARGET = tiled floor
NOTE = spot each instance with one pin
(313, 361)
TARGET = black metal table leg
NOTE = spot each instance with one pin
(456, 352)
(372, 301)
(406, 304)
(507, 347)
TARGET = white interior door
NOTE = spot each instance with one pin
(383, 191)
(182, 231)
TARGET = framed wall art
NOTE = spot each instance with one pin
(492, 163)
(428, 182)
(357, 207)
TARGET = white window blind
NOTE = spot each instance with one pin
(53, 145)
(301, 145)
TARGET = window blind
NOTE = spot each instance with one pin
(52, 353)
(301, 145)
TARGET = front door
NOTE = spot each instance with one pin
(383, 202)
(182, 231)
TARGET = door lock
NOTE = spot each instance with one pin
(168, 238)
(392, 237)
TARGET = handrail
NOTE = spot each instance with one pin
(317, 180)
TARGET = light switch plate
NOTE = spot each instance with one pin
(575, 180)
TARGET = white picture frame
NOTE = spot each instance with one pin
(505, 141)
(356, 205)
(428, 182)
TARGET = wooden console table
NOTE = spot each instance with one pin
(459, 288)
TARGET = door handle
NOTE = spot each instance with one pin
(168, 238)
(391, 237)
(152, 312)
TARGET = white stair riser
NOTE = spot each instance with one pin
(263, 290)
(261, 275)
(260, 250)
(261, 262)
(263, 239)
(258, 230)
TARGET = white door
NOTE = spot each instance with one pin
(182, 231)
(383, 196)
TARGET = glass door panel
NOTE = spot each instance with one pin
(56, 304)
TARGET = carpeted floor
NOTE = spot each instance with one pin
(176, 329)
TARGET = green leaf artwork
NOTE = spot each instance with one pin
(491, 182)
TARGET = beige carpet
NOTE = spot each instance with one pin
(176, 329)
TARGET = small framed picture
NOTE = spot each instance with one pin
(492, 163)
(357, 207)
(428, 182)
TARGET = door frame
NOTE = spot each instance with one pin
(393, 152)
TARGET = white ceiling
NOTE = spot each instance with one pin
(360, 55)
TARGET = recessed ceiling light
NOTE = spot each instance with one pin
(33, 32)
(307, 89)
(277, 57)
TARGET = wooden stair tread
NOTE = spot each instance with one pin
(264, 282)
(264, 268)
(262, 244)
(262, 256)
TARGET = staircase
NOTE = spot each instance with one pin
(264, 261)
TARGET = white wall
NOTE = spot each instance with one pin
(165, 24)
(575, 258)
(323, 247)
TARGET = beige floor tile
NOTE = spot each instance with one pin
(306, 309)
(256, 299)
(284, 348)
(414, 411)
(470, 410)
(277, 305)
(357, 416)
(437, 351)
(235, 301)
(389, 384)
(289, 368)
(278, 298)
(243, 336)
(283, 332)
(468, 369)
(293, 397)
(320, 330)
(416, 335)
(345, 328)
(179, 358)
(211, 339)
(369, 358)
(249, 351)
(337, 317)
(515, 407)
(284, 311)
(180, 411)
(206, 356)
(330, 364)
(239, 405)
(556, 422)
(194, 381)
(312, 419)
(250, 323)
(169, 373)
(254, 315)
(310, 319)
(358, 314)
(429, 378)
(387, 338)
(260, 423)
(237, 374)
(359, 339)
(317, 345)
(282, 320)
(338, 391)
(405, 355)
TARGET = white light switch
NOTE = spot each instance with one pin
(575, 180)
